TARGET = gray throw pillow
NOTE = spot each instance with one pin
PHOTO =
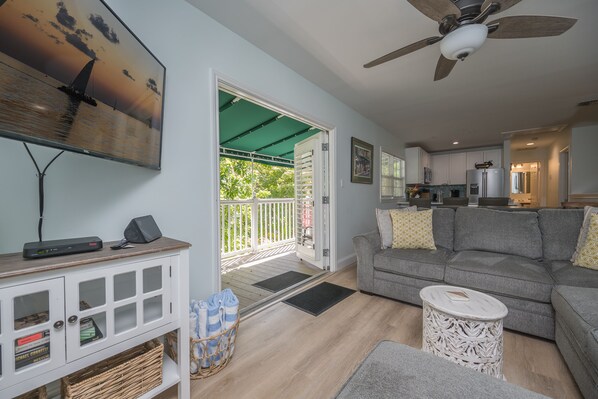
(385, 224)
(588, 211)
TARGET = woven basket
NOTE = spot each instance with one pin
(215, 352)
(37, 393)
(127, 375)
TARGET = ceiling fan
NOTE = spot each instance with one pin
(462, 29)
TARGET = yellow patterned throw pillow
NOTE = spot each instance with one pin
(588, 255)
(412, 230)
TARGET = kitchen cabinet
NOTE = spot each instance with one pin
(59, 315)
(474, 157)
(449, 168)
(416, 159)
(440, 169)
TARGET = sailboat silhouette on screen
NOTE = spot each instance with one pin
(77, 88)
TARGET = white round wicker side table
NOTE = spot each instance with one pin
(466, 332)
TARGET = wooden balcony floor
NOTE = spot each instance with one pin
(240, 273)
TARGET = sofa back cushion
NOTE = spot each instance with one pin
(443, 225)
(560, 230)
(515, 233)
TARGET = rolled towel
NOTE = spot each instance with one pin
(202, 319)
(231, 308)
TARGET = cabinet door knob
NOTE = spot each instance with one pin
(59, 324)
(73, 319)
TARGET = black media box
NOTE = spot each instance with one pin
(43, 249)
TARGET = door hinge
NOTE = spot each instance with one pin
(325, 199)
(324, 146)
(326, 252)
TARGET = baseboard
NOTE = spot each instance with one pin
(346, 261)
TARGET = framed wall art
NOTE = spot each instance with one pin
(362, 161)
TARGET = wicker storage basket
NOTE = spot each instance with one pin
(213, 353)
(38, 393)
(127, 375)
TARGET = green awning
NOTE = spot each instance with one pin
(250, 131)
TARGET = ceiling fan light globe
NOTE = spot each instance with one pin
(463, 41)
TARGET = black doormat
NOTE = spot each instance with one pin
(282, 281)
(319, 298)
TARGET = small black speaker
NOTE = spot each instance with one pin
(142, 230)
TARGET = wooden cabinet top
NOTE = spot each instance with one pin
(12, 265)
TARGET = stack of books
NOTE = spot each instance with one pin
(32, 349)
(89, 331)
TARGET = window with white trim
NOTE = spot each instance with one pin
(392, 177)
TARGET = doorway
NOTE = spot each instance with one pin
(267, 178)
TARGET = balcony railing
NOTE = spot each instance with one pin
(255, 224)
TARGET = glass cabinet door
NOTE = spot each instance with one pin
(32, 330)
(109, 305)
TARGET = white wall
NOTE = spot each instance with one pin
(584, 168)
(89, 196)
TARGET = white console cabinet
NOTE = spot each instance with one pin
(132, 296)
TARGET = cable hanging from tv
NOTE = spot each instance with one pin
(40, 176)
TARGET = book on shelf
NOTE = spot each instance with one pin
(457, 295)
(32, 348)
(89, 331)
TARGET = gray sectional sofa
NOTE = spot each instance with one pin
(521, 258)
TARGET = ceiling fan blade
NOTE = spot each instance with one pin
(504, 4)
(443, 68)
(403, 51)
(525, 26)
(436, 9)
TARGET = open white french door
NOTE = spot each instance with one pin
(311, 200)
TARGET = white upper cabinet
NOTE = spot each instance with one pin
(457, 168)
(440, 169)
(474, 157)
(415, 161)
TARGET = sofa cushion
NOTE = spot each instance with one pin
(501, 274)
(412, 230)
(443, 224)
(420, 263)
(592, 347)
(514, 233)
(588, 254)
(560, 229)
(564, 273)
(385, 224)
(588, 211)
(576, 307)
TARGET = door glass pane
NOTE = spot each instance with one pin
(31, 309)
(125, 318)
(124, 286)
(92, 293)
(32, 349)
(92, 328)
(152, 309)
(152, 279)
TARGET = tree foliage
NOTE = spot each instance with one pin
(236, 177)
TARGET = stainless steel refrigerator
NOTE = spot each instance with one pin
(485, 183)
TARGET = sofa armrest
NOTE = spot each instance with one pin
(366, 246)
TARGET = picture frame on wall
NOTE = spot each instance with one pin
(362, 161)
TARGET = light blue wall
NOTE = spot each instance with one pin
(584, 165)
(90, 196)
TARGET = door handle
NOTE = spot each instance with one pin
(59, 324)
(73, 319)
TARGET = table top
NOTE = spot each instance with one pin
(479, 306)
(14, 264)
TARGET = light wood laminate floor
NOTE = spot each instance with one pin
(283, 352)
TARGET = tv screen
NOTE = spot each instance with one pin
(74, 77)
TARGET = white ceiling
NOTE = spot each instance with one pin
(507, 85)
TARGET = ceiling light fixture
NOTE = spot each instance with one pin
(529, 144)
(455, 142)
(463, 41)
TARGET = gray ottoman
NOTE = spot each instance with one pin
(393, 370)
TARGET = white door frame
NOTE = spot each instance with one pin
(221, 80)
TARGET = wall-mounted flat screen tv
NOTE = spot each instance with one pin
(74, 77)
